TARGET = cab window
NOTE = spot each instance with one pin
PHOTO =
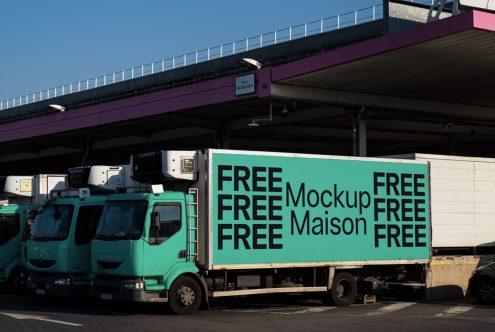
(165, 222)
(87, 221)
(9, 227)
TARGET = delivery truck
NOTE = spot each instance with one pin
(20, 197)
(221, 223)
(58, 251)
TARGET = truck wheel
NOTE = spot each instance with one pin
(18, 280)
(484, 291)
(344, 289)
(185, 296)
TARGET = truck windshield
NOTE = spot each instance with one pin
(53, 223)
(122, 220)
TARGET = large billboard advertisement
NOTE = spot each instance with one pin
(282, 209)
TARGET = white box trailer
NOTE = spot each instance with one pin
(36, 188)
(462, 201)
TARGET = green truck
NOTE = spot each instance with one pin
(232, 223)
(21, 196)
(58, 250)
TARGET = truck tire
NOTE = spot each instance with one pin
(184, 296)
(484, 291)
(18, 280)
(344, 289)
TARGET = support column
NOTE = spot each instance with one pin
(359, 134)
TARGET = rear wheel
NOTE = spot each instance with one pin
(344, 289)
(484, 291)
(185, 296)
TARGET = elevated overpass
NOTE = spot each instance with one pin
(357, 90)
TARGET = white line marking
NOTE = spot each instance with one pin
(41, 318)
(308, 311)
(457, 310)
(268, 310)
(390, 308)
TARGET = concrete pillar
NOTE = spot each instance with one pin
(359, 134)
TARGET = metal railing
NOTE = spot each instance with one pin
(265, 39)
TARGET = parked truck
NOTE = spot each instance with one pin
(58, 251)
(20, 197)
(234, 223)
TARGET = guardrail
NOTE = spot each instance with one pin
(265, 39)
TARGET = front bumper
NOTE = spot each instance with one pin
(106, 288)
(49, 284)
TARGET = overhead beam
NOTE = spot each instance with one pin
(154, 137)
(50, 152)
(347, 98)
(292, 116)
(347, 133)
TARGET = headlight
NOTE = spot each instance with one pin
(133, 285)
(62, 282)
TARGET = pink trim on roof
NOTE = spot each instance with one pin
(202, 94)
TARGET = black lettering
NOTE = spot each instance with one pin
(337, 197)
(238, 236)
(376, 183)
(274, 208)
(274, 236)
(420, 235)
(346, 230)
(241, 203)
(221, 236)
(313, 202)
(294, 222)
(222, 177)
(272, 180)
(300, 195)
(419, 182)
(418, 211)
(241, 174)
(379, 235)
(405, 184)
(393, 233)
(222, 206)
(335, 222)
(258, 235)
(406, 235)
(393, 207)
(392, 182)
(378, 209)
(405, 209)
(327, 203)
(257, 207)
(257, 178)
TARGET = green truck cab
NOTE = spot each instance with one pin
(58, 251)
(222, 223)
(23, 194)
(13, 221)
(140, 246)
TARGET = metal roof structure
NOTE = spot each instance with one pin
(424, 89)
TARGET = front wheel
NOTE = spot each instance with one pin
(344, 289)
(484, 291)
(18, 280)
(184, 296)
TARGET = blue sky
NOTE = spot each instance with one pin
(53, 42)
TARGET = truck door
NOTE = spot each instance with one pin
(86, 223)
(10, 237)
(166, 239)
